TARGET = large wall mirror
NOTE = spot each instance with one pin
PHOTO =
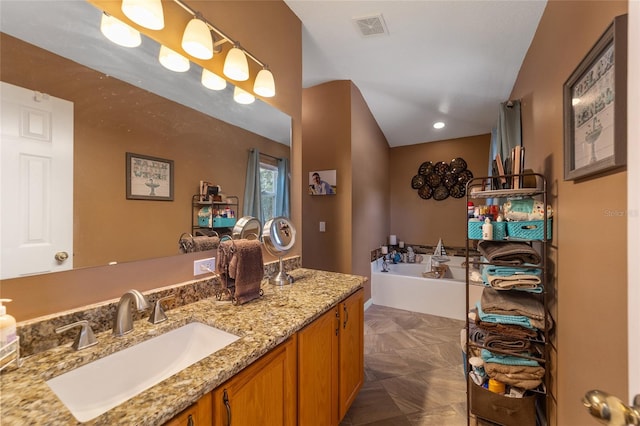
(125, 101)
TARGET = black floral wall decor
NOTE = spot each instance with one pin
(441, 180)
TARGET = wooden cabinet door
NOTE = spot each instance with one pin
(262, 394)
(351, 344)
(317, 371)
(199, 414)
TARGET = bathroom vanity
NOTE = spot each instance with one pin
(293, 341)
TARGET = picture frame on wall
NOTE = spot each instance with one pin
(149, 178)
(595, 107)
(322, 182)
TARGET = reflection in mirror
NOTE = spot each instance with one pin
(247, 228)
(120, 106)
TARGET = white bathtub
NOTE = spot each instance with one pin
(404, 287)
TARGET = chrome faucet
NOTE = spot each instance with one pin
(123, 321)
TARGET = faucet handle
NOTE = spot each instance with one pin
(84, 339)
(157, 313)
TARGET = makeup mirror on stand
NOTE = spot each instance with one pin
(278, 236)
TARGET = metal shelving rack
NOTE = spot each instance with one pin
(476, 191)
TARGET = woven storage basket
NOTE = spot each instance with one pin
(474, 230)
(529, 230)
(502, 409)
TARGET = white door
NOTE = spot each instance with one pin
(36, 201)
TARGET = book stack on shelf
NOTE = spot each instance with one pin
(507, 172)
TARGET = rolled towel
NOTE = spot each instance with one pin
(512, 252)
(195, 244)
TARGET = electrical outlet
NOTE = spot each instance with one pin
(204, 266)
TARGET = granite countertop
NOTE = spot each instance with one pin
(261, 324)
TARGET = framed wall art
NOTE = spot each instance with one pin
(149, 178)
(322, 182)
(595, 107)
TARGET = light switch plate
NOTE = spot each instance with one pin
(204, 266)
(322, 226)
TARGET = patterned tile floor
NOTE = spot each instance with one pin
(413, 371)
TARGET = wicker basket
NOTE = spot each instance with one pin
(529, 230)
(474, 230)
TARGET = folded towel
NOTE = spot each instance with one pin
(506, 343)
(511, 330)
(246, 269)
(505, 271)
(489, 356)
(520, 320)
(522, 282)
(189, 244)
(521, 376)
(529, 305)
(512, 252)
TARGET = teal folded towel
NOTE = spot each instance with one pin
(488, 356)
(505, 271)
(520, 320)
(510, 278)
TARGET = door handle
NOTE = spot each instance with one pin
(61, 256)
(611, 409)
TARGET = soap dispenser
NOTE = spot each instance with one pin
(7, 328)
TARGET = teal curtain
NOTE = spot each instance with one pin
(252, 204)
(282, 188)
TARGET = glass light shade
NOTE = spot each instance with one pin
(119, 32)
(264, 84)
(172, 60)
(212, 81)
(196, 40)
(146, 13)
(236, 66)
(242, 96)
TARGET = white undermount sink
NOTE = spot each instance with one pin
(95, 388)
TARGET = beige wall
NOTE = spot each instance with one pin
(418, 221)
(272, 32)
(589, 244)
(326, 145)
(340, 133)
(371, 178)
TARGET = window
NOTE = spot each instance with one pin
(268, 188)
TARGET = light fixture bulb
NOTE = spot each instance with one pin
(146, 13)
(236, 66)
(438, 125)
(212, 81)
(119, 32)
(196, 40)
(172, 60)
(264, 84)
(242, 96)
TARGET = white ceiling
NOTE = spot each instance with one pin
(453, 61)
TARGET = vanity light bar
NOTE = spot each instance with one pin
(225, 37)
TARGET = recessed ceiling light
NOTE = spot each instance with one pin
(438, 125)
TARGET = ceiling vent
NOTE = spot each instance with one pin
(371, 25)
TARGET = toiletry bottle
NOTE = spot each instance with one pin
(487, 230)
(7, 328)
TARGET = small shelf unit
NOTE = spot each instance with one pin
(508, 411)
